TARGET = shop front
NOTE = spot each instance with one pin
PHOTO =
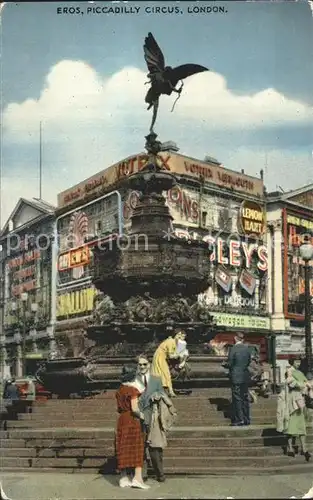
(298, 226)
(255, 328)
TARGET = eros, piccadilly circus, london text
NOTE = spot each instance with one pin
(149, 9)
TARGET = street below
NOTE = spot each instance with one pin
(59, 486)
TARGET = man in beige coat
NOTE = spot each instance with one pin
(152, 388)
(162, 419)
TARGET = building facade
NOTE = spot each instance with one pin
(26, 287)
(224, 208)
(290, 221)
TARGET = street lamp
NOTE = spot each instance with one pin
(306, 253)
(24, 297)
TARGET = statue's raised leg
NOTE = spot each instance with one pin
(154, 115)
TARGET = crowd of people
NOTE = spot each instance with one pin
(147, 413)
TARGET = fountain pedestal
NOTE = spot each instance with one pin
(148, 282)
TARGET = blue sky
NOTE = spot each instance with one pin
(83, 76)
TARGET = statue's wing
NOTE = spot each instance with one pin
(185, 70)
(153, 55)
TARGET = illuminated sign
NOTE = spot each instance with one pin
(23, 272)
(183, 202)
(182, 205)
(241, 321)
(298, 228)
(228, 252)
(75, 303)
(301, 222)
(212, 173)
(252, 218)
(79, 231)
(74, 258)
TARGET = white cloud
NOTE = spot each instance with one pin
(90, 122)
(75, 92)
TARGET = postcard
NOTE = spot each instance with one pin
(156, 214)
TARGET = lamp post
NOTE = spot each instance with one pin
(21, 339)
(306, 253)
(24, 297)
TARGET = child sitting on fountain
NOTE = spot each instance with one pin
(182, 351)
(181, 370)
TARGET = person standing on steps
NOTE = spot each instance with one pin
(291, 410)
(238, 362)
(151, 385)
(130, 439)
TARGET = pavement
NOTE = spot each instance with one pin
(80, 486)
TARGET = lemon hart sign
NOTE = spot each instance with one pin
(252, 218)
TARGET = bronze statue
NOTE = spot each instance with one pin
(163, 79)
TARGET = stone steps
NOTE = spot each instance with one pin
(183, 463)
(202, 432)
(180, 471)
(99, 424)
(208, 412)
(173, 442)
(58, 451)
(77, 435)
(193, 410)
(179, 402)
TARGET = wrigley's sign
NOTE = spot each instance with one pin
(211, 173)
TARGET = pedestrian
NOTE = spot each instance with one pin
(11, 395)
(130, 431)
(238, 362)
(11, 390)
(163, 416)
(165, 352)
(291, 411)
(151, 385)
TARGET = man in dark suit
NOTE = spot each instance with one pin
(239, 358)
(151, 384)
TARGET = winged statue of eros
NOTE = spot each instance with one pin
(163, 79)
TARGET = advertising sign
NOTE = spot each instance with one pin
(252, 218)
(178, 164)
(241, 321)
(80, 230)
(75, 302)
(23, 272)
(78, 233)
(297, 228)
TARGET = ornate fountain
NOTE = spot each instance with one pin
(153, 279)
(148, 283)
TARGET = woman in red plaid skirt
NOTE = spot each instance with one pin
(129, 433)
